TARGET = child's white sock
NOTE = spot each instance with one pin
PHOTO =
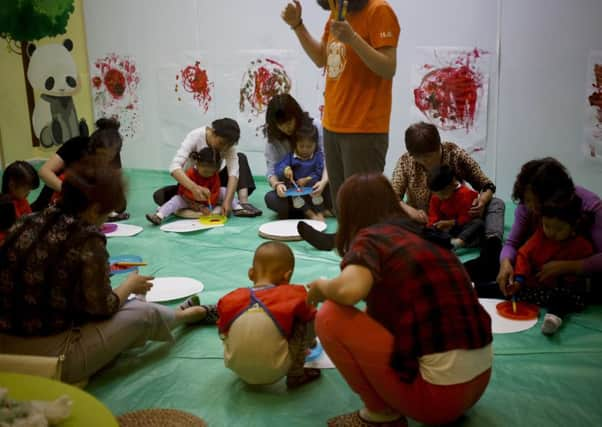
(236, 205)
(551, 323)
(457, 243)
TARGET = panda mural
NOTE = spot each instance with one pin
(53, 77)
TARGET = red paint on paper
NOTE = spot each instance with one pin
(449, 95)
(194, 79)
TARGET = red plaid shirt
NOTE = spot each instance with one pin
(421, 294)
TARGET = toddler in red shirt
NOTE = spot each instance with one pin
(556, 241)
(204, 172)
(18, 179)
(268, 328)
(449, 208)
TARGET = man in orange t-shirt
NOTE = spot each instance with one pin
(359, 52)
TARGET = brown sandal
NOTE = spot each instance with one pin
(353, 419)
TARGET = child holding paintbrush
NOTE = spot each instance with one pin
(556, 239)
(303, 168)
(203, 173)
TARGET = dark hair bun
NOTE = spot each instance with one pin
(107, 123)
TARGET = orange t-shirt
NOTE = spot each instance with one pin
(356, 99)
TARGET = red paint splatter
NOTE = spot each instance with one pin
(115, 82)
(195, 81)
(263, 79)
(96, 82)
(114, 90)
(117, 74)
(595, 99)
(449, 95)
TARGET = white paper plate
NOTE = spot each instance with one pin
(124, 230)
(286, 229)
(171, 288)
(503, 325)
(322, 362)
(187, 225)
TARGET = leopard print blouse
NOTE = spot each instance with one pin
(410, 179)
(54, 274)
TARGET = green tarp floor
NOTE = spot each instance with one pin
(537, 381)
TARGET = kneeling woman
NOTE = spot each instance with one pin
(55, 292)
(422, 349)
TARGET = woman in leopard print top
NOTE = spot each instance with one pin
(410, 177)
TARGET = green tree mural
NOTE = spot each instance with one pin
(24, 21)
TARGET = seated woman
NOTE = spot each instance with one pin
(105, 142)
(410, 179)
(283, 119)
(422, 348)
(538, 182)
(222, 135)
(55, 293)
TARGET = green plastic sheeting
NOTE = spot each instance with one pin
(537, 381)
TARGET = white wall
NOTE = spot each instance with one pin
(545, 47)
(543, 67)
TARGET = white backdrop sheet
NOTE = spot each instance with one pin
(165, 37)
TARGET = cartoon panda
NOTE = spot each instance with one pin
(53, 76)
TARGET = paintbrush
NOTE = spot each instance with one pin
(129, 264)
(333, 8)
(342, 10)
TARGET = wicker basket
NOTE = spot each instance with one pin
(160, 418)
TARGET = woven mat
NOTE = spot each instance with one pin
(159, 418)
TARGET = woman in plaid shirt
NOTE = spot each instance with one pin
(422, 348)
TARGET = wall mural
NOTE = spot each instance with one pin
(50, 72)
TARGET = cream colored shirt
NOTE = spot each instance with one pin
(255, 349)
(455, 366)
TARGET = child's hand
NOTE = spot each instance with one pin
(314, 291)
(200, 193)
(302, 182)
(204, 210)
(281, 190)
(511, 288)
(288, 173)
(292, 13)
(318, 188)
(138, 284)
(444, 225)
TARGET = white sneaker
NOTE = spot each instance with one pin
(551, 323)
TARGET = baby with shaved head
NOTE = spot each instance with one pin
(268, 328)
